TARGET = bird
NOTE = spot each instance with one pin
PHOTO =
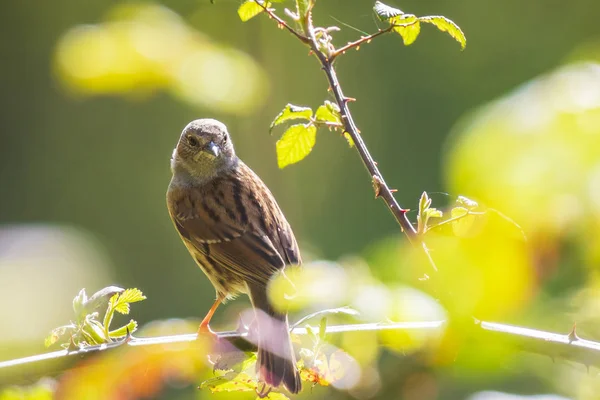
(236, 232)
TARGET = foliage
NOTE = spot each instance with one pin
(86, 329)
(409, 25)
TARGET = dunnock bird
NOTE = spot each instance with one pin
(234, 229)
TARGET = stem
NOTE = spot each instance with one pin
(381, 188)
(569, 347)
(282, 23)
(356, 43)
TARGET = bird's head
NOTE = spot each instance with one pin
(204, 149)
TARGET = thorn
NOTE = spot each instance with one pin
(357, 48)
(375, 162)
(377, 183)
(329, 89)
(369, 41)
(72, 345)
(128, 337)
(393, 190)
(349, 99)
(310, 53)
(573, 334)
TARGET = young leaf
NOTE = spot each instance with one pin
(121, 301)
(328, 112)
(349, 139)
(323, 328)
(101, 297)
(464, 224)
(79, 303)
(310, 333)
(446, 25)
(303, 6)
(131, 296)
(291, 112)
(434, 213)
(241, 382)
(59, 333)
(385, 12)
(424, 203)
(251, 8)
(93, 331)
(467, 203)
(408, 27)
(124, 330)
(295, 144)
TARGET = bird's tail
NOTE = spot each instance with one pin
(276, 363)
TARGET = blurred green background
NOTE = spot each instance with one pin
(94, 95)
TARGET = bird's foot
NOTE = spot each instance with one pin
(205, 331)
(263, 390)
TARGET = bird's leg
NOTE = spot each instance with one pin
(204, 328)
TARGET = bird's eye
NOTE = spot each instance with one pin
(225, 139)
(192, 141)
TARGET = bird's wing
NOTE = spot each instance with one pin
(237, 225)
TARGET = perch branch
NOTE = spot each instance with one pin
(568, 346)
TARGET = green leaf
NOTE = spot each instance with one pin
(79, 304)
(467, 203)
(310, 333)
(231, 382)
(328, 112)
(424, 203)
(251, 8)
(101, 297)
(303, 6)
(463, 224)
(291, 112)
(295, 144)
(349, 139)
(434, 213)
(408, 26)
(131, 296)
(59, 333)
(323, 328)
(122, 331)
(385, 12)
(446, 25)
(93, 331)
(121, 301)
(275, 396)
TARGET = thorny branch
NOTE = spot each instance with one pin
(381, 188)
(566, 346)
(357, 43)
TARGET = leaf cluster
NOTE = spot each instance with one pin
(299, 139)
(408, 26)
(87, 329)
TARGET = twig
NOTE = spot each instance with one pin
(282, 23)
(570, 346)
(356, 43)
(382, 189)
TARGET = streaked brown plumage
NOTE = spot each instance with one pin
(234, 229)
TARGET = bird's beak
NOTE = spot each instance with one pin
(212, 149)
